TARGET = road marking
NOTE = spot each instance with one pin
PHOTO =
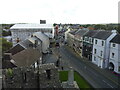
(107, 83)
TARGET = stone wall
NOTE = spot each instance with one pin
(46, 77)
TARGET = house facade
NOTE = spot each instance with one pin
(70, 38)
(101, 48)
(45, 41)
(21, 32)
(114, 57)
(78, 41)
(88, 44)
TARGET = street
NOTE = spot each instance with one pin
(97, 77)
(90, 73)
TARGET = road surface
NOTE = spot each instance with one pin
(92, 74)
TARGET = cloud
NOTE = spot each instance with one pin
(59, 11)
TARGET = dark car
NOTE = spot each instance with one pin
(57, 44)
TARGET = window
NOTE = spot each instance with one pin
(51, 31)
(95, 51)
(102, 43)
(95, 41)
(113, 54)
(101, 53)
(48, 72)
(94, 58)
(24, 77)
(30, 45)
(87, 39)
(92, 40)
(113, 45)
(119, 69)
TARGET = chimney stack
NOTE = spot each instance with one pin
(42, 21)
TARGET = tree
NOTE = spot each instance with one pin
(6, 33)
(54, 24)
(5, 45)
(100, 26)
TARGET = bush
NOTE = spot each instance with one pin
(9, 72)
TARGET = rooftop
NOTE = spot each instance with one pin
(91, 33)
(31, 26)
(103, 35)
(81, 32)
(73, 32)
(15, 49)
(116, 39)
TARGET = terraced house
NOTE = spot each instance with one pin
(114, 57)
(88, 44)
(70, 38)
(101, 47)
(78, 41)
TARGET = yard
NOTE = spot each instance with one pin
(82, 83)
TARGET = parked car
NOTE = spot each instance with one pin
(57, 44)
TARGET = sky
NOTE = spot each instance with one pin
(59, 11)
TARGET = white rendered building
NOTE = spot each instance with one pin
(22, 31)
(114, 57)
(101, 48)
(45, 41)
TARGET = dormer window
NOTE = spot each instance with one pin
(113, 45)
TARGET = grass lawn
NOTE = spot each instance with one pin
(82, 83)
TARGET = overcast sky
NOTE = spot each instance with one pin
(59, 11)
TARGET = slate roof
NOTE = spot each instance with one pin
(15, 49)
(81, 32)
(116, 39)
(103, 35)
(25, 43)
(26, 57)
(73, 32)
(91, 33)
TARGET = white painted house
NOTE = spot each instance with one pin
(114, 61)
(101, 48)
(45, 41)
(66, 33)
(22, 31)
